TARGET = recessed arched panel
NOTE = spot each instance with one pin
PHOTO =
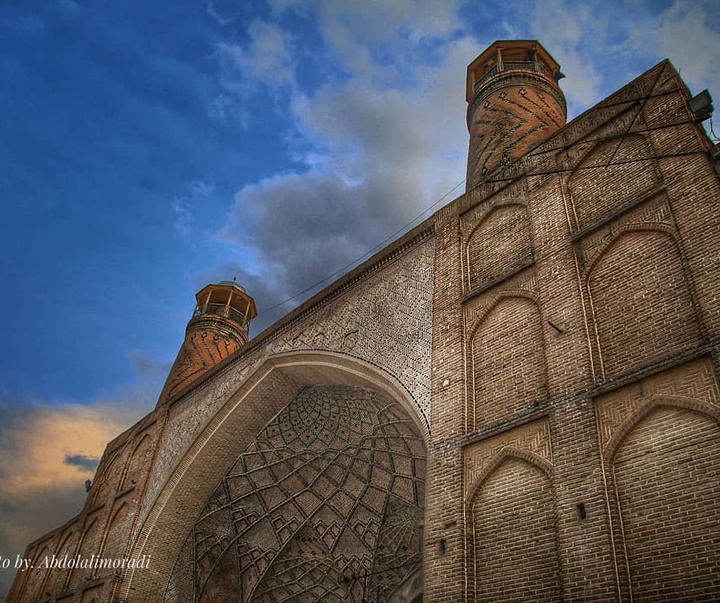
(614, 174)
(325, 505)
(107, 479)
(89, 545)
(515, 551)
(137, 463)
(642, 305)
(35, 578)
(508, 361)
(119, 527)
(667, 474)
(499, 246)
(57, 579)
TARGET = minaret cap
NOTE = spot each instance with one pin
(219, 327)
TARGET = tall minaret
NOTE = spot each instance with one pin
(218, 327)
(514, 104)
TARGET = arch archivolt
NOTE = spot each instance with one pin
(500, 244)
(618, 232)
(615, 436)
(634, 270)
(489, 210)
(613, 173)
(494, 464)
(233, 428)
(529, 442)
(479, 315)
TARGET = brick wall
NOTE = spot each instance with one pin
(554, 335)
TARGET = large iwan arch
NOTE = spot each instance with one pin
(262, 398)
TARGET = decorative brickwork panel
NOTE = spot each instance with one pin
(500, 245)
(201, 350)
(107, 478)
(57, 579)
(508, 361)
(693, 382)
(90, 545)
(35, 579)
(614, 174)
(515, 551)
(116, 539)
(138, 462)
(532, 439)
(667, 474)
(507, 123)
(326, 505)
(643, 309)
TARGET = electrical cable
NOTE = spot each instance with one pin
(497, 180)
(367, 253)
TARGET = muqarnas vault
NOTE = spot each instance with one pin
(515, 401)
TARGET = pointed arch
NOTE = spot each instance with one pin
(640, 300)
(513, 528)
(507, 355)
(508, 452)
(135, 462)
(499, 245)
(260, 398)
(666, 475)
(614, 173)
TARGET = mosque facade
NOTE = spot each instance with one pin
(517, 400)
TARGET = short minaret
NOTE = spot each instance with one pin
(514, 103)
(219, 326)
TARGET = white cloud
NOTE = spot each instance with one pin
(197, 193)
(219, 19)
(567, 31)
(688, 33)
(378, 147)
(268, 58)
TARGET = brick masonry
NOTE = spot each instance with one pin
(548, 347)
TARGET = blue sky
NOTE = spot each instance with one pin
(147, 148)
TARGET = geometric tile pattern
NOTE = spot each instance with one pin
(383, 320)
(325, 505)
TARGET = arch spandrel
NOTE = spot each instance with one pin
(246, 413)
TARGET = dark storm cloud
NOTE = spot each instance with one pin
(82, 461)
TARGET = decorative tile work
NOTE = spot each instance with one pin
(383, 319)
(325, 505)
(384, 322)
(532, 438)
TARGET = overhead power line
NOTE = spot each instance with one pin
(367, 253)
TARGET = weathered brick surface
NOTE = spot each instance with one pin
(554, 336)
(514, 535)
(666, 472)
